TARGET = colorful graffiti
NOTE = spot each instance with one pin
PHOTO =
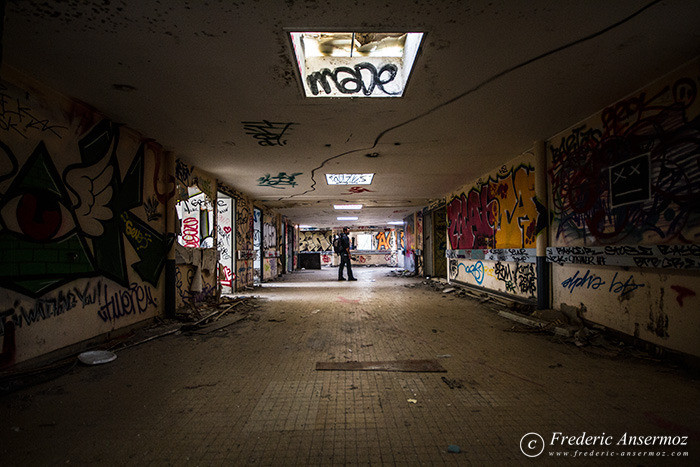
(501, 212)
(385, 240)
(634, 175)
(57, 229)
(476, 270)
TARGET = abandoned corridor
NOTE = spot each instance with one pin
(250, 393)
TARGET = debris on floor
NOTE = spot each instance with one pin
(453, 448)
(452, 383)
(412, 401)
(198, 319)
(401, 273)
(415, 366)
(97, 357)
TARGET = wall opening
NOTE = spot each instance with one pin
(257, 246)
(225, 232)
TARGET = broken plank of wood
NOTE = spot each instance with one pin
(417, 366)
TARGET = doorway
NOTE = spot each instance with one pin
(257, 246)
(435, 242)
(225, 232)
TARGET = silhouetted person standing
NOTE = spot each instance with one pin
(344, 243)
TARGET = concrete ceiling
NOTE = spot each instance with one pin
(491, 77)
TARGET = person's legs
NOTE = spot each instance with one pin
(350, 276)
(340, 267)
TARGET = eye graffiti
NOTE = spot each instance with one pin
(54, 230)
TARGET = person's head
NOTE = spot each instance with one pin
(346, 230)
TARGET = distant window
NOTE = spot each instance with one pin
(364, 242)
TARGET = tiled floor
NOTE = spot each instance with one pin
(251, 395)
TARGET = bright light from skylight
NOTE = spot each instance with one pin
(355, 64)
(347, 206)
(349, 179)
(347, 218)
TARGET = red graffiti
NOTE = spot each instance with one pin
(229, 276)
(346, 300)
(190, 232)
(39, 215)
(682, 292)
(471, 221)
(357, 189)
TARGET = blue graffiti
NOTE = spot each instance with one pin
(590, 280)
(476, 270)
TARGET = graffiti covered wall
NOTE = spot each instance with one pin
(270, 245)
(496, 213)
(499, 211)
(81, 222)
(196, 255)
(244, 253)
(410, 243)
(316, 241)
(624, 186)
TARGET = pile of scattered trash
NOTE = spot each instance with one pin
(566, 325)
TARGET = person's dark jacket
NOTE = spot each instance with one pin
(344, 244)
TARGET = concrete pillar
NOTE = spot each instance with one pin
(542, 239)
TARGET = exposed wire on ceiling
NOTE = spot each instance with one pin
(476, 88)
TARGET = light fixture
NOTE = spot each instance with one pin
(347, 206)
(395, 223)
(355, 63)
(349, 179)
(305, 227)
(347, 218)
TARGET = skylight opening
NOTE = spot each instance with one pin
(355, 64)
(349, 179)
(347, 206)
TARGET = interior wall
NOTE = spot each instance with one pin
(440, 242)
(409, 241)
(269, 246)
(492, 228)
(245, 254)
(196, 265)
(82, 209)
(625, 185)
